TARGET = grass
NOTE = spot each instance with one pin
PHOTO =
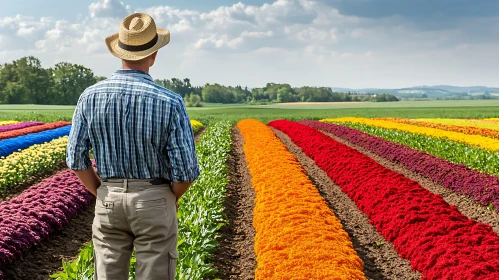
(235, 112)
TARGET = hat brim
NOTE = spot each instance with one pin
(114, 48)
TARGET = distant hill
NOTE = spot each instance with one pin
(429, 92)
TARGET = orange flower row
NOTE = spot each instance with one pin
(472, 130)
(297, 234)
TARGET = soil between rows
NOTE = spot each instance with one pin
(465, 205)
(45, 259)
(381, 261)
(235, 257)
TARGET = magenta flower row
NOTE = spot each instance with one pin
(5, 128)
(31, 217)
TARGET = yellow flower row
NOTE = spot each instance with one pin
(196, 125)
(20, 166)
(473, 140)
(7, 122)
(297, 234)
(482, 123)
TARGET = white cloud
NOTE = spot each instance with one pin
(296, 41)
(109, 8)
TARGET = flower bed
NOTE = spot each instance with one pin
(30, 130)
(437, 239)
(472, 140)
(297, 235)
(483, 188)
(16, 126)
(31, 217)
(20, 166)
(9, 146)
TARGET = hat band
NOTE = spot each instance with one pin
(139, 48)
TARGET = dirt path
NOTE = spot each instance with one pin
(198, 134)
(381, 261)
(43, 260)
(235, 257)
(465, 205)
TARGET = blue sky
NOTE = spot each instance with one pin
(340, 43)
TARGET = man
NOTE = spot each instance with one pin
(145, 155)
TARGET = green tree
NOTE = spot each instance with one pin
(25, 81)
(70, 80)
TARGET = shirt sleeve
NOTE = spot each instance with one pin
(180, 147)
(77, 152)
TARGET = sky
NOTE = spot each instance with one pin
(337, 43)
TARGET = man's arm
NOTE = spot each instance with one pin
(77, 154)
(181, 152)
(90, 179)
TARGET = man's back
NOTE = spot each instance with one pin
(134, 126)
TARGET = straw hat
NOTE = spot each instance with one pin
(138, 38)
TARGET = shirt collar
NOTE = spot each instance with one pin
(134, 73)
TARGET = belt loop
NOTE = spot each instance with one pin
(125, 185)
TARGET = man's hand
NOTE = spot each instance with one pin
(176, 203)
(179, 188)
(90, 179)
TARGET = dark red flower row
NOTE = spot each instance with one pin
(37, 212)
(482, 188)
(437, 239)
(33, 129)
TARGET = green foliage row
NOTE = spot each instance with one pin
(201, 209)
(200, 213)
(479, 159)
(25, 81)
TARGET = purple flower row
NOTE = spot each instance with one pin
(31, 217)
(483, 188)
(5, 128)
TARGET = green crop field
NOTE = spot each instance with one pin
(409, 109)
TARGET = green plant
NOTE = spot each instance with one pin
(82, 268)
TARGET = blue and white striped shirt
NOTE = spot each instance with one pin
(136, 128)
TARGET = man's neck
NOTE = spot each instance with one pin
(143, 68)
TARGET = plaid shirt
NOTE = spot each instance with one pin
(136, 128)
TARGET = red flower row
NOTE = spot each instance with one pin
(33, 129)
(437, 239)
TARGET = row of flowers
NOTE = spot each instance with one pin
(9, 146)
(297, 235)
(18, 167)
(482, 160)
(483, 188)
(472, 140)
(437, 239)
(471, 130)
(7, 122)
(482, 123)
(10, 127)
(196, 125)
(31, 130)
(31, 217)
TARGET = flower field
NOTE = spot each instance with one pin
(287, 224)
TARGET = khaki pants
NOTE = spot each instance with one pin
(129, 214)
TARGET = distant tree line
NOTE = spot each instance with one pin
(271, 93)
(25, 81)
